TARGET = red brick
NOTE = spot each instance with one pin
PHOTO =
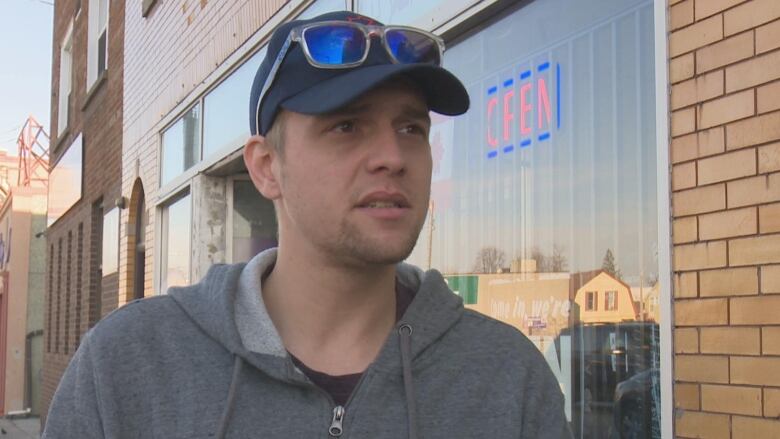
(697, 35)
(701, 312)
(681, 14)
(701, 144)
(755, 71)
(690, 424)
(725, 52)
(731, 399)
(749, 15)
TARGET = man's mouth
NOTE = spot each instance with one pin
(383, 205)
(384, 200)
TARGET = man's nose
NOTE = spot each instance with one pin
(387, 152)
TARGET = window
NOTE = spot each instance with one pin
(610, 301)
(110, 254)
(224, 123)
(320, 7)
(181, 145)
(65, 181)
(254, 222)
(554, 164)
(418, 12)
(176, 226)
(97, 43)
(66, 74)
(592, 303)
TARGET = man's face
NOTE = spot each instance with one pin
(354, 184)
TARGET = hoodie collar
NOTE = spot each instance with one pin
(229, 297)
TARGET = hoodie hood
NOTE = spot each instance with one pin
(229, 297)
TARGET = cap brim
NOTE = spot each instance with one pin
(444, 92)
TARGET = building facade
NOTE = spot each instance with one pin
(622, 148)
(22, 266)
(84, 186)
(724, 66)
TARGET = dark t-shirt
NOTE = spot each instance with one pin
(339, 387)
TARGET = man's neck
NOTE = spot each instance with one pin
(334, 318)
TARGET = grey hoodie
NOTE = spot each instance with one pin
(190, 364)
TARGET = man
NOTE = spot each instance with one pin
(329, 335)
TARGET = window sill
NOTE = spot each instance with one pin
(94, 89)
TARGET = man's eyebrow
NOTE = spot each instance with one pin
(413, 112)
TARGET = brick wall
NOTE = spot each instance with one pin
(725, 96)
(74, 300)
(171, 57)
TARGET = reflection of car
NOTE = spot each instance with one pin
(635, 413)
(602, 357)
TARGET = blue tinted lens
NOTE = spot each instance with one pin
(409, 47)
(334, 44)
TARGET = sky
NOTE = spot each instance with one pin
(25, 66)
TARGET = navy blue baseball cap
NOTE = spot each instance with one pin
(302, 88)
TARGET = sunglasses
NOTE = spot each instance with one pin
(342, 45)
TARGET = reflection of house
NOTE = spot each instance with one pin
(535, 303)
(650, 304)
(605, 299)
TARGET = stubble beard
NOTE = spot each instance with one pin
(355, 246)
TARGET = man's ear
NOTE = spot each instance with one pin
(260, 158)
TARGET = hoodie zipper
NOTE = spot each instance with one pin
(336, 429)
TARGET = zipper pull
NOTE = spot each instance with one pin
(335, 429)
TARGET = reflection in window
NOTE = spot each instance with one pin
(176, 220)
(406, 11)
(610, 301)
(545, 191)
(592, 301)
(65, 179)
(181, 145)
(254, 222)
(224, 121)
(110, 254)
(322, 6)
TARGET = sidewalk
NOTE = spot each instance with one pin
(27, 428)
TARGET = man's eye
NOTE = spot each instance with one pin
(345, 126)
(414, 129)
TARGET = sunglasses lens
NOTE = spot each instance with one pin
(335, 45)
(410, 47)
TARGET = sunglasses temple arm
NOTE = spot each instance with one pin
(271, 77)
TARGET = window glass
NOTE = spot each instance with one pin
(65, 181)
(176, 243)
(66, 51)
(225, 123)
(181, 145)
(110, 252)
(544, 194)
(254, 222)
(423, 13)
(322, 6)
(97, 41)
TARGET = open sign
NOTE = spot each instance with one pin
(524, 104)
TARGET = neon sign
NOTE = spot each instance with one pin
(524, 105)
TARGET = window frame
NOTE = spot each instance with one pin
(94, 33)
(161, 224)
(111, 211)
(63, 117)
(187, 173)
(613, 305)
(591, 301)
